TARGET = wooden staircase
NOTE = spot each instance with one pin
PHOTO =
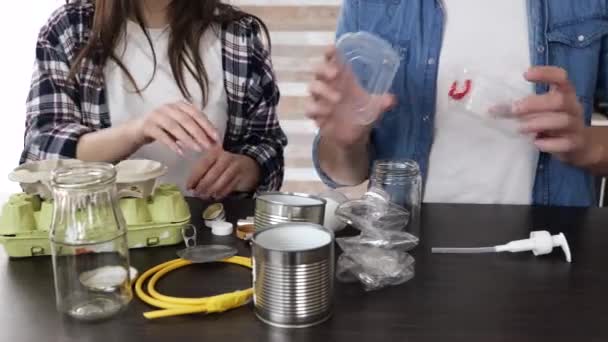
(300, 32)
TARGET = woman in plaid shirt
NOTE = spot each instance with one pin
(188, 83)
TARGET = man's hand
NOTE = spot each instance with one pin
(219, 173)
(556, 119)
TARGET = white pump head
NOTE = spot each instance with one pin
(540, 243)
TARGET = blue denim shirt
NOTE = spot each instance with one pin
(565, 33)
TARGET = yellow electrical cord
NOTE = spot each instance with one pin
(174, 306)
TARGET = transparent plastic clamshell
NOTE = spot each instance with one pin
(488, 98)
(374, 64)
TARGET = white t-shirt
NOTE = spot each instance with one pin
(124, 104)
(471, 162)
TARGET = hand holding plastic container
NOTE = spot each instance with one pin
(369, 68)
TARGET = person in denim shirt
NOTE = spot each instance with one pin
(567, 47)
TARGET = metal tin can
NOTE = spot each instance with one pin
(293, 274)
(273, 208)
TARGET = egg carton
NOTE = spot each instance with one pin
(134, 177)
(151, 222)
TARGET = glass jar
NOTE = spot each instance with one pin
(89, 243)
(400, 182)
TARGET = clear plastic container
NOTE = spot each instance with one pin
(372, 63)
(487, 97)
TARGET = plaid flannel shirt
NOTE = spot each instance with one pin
(59, 112)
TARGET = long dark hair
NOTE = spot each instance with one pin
(188, 21)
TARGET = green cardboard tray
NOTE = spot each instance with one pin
(153, 222)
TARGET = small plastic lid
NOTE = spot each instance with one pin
(246, 221)
(213, 212)
(374, 64)
(221, 228)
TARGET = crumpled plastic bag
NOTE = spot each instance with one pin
(377, 257)
(373, 214)
(391, 240)
(375, 268)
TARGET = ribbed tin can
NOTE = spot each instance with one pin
(273, 208)
(293, 274)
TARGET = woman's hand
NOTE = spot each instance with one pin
(556, 119)
(219, 173)
(177, 125)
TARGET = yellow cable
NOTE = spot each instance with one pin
(173, 306)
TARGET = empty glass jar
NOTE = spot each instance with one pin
(400, 182)
(89, 243)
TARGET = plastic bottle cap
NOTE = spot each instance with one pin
(221, 228)
(214, 213)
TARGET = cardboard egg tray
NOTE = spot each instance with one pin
(151, 222)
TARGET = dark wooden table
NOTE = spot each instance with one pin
(507, 297)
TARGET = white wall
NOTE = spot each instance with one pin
(20, 22)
